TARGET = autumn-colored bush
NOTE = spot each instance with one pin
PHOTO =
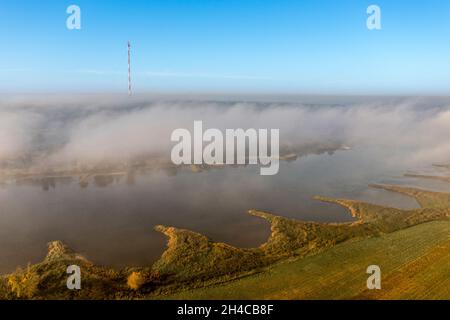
(136, 280)
(24, 283)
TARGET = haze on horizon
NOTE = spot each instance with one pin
(59, 131)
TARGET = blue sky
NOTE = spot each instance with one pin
(266, 46)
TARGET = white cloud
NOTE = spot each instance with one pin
(201, 75)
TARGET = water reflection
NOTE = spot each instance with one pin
(110, 218)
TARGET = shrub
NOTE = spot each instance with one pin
(24, 283)
(136, 280)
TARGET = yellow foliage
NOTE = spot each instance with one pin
(24, 283)
(136, 280)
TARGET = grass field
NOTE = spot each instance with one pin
(300, 260)
(415, 264)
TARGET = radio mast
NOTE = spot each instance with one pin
(129, 68)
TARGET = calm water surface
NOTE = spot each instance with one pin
(111, 221)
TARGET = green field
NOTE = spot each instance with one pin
(411, 267)
(300, 260)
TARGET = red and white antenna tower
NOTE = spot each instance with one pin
(129, 68)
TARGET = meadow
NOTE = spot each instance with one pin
(300, 260)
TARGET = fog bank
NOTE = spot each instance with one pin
(68, 130)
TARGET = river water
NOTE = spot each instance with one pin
(111, 220)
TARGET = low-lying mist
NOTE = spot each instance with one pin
(65, 131)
